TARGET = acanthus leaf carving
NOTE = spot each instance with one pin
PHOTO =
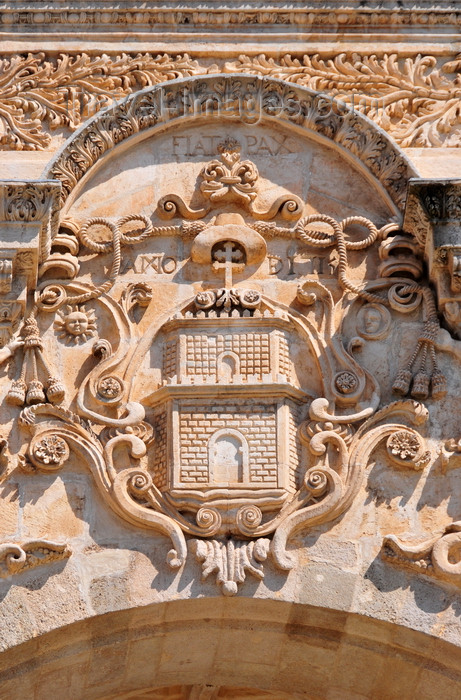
(48, 87)
(416, 100)
(378, 86)
(231, 561)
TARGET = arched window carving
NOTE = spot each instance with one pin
(228, 457)
(228, 366)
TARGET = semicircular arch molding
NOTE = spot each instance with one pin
(233, 99)
(277, 647)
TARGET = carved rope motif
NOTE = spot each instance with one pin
(338, 450)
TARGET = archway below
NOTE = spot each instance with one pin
(263, 645)
(202, 692)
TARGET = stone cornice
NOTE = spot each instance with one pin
(237, 17)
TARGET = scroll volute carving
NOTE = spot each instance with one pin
(230, 179)
(16, 558)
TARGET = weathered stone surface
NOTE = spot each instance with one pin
(230, 355)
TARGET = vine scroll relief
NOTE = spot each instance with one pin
(415, 99)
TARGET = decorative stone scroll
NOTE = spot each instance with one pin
(15, 558)
(438, 557)
(240, 412)
(230, 179)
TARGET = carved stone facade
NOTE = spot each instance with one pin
(230, 322)
(415, 100)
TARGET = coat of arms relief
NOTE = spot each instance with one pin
(227, 391)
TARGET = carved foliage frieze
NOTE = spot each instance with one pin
(414, 99)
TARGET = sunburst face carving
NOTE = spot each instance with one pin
(75, 325)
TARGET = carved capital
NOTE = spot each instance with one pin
(28, 222)
(29, 216)
(433, 217)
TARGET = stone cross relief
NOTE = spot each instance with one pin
(260, 416)
(228, 257)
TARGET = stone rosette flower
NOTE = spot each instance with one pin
(51, 450)
(109, 388)
(403, 445)
(346, 382)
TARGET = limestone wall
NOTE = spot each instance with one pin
(271, 518)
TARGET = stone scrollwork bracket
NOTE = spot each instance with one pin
(328, 488)
(342, 482)
(438, 556)
(56, 432)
